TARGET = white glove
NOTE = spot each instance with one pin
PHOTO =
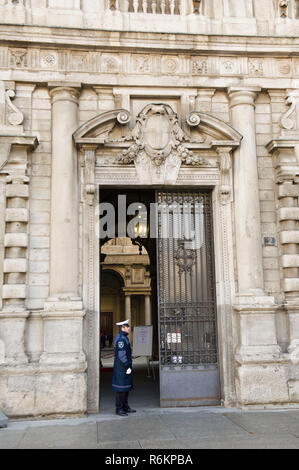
(128, 371)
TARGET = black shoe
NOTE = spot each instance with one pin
(130, 410)
(121, 413)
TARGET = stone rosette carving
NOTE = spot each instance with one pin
(48, 60)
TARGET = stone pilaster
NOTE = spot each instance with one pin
(203, 100)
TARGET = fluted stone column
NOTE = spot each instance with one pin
(63, 311)
(256, 311)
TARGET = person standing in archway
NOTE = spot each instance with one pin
(122, 381)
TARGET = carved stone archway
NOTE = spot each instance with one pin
(112, 153)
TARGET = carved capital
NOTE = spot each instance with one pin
(243, 96)
(65, 93)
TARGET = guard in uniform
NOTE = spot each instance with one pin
(122, 381)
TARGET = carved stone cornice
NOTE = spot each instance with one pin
(284, 159)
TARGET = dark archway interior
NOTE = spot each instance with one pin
(146, 197)
(146, 388)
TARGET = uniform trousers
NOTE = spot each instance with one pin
(121, 401)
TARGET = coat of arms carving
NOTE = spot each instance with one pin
(159, 146)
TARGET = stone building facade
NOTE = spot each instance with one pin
(76, 78)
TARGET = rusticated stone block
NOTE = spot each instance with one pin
(291, 285)
(18, 265)
(289, 213)
(290, 261)
(16, 239)
(17, 190)
(16, 215)
(14, 291)
(289, 236)
(286, 190)
(262, 384)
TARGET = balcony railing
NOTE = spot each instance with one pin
(163, 7)
(245, 17)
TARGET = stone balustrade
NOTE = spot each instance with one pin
(163, 7)
(182, 16)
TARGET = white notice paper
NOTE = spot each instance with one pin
(143, 341)
(143, 335)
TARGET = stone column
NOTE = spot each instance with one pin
(147, 310)
(63, 311)
(256, 311)
(128, 311)
(246, 192)
(64, 194)
(128, 307)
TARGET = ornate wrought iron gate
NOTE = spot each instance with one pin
(189, 372)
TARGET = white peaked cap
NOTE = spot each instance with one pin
(122, 323)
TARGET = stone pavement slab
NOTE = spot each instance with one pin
(132, 427)
(62, 437)
(10, 438)
(120, 445)
(201, 424)
(184, 428)
(222, 443)
(275, 423)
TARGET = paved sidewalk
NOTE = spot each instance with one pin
(183, 428)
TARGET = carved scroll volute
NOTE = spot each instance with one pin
(225, 165)
(89, 174)
(290, 120)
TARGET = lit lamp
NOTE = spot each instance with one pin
(140, 230)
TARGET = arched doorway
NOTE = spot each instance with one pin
(118, 158)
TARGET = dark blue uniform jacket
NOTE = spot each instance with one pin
(122, 382)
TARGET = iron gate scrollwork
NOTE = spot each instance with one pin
(187, 302)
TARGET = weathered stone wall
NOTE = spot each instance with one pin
(46, 328)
